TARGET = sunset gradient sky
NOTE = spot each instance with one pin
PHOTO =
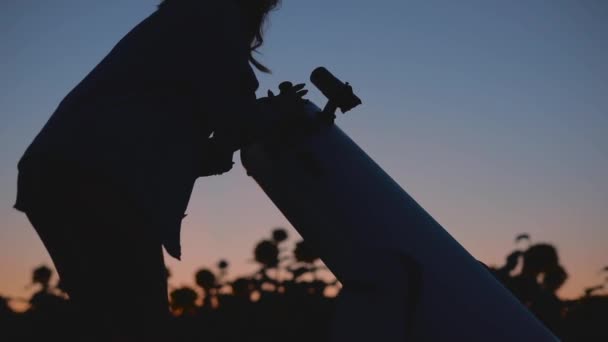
(492, 114)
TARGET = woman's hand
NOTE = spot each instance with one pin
(290, 101)
(282, 112)
(290, 94)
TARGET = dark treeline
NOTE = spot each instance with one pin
(292, 298)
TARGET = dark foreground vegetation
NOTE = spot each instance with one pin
(292, 298)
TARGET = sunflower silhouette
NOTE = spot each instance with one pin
(183, 301)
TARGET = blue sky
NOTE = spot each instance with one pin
(492, 114)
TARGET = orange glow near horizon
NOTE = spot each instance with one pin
(490, 114)
(232, 237)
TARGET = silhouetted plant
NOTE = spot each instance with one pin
(267, 254)
(305, 258)
(305, 253)
(298, 272)
(279, 235)
(45, 301)
(207, 281)
(540, 258)
(554, 278)
(522, 237)
(5, 309)
(511, 263)
(585, 319)
(593, 289)
(318, 287)
(242, 288)
(183, 301)
(222, 265)
(263, 300)
(42, 275)
(60, 287)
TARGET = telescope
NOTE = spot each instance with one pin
(405, 278)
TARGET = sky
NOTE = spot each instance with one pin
(492, 114)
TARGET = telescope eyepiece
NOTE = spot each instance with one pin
(337, 92)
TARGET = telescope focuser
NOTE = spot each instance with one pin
(339, 94)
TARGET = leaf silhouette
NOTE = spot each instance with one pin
(305, 253)
(521, 237)
(279, 235)
(183, 300)
(205, 279)
(298, 272)
(42, 275)
(222, 264)
(591, 290)
(267, 254)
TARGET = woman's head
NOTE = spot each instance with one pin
(255, 14)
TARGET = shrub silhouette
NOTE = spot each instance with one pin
(267, 307)
(267, 254)
(42, 275)
(279, 235)
(183, 301)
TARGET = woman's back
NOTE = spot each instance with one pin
(142, 116)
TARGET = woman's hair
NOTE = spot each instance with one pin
(255, 14)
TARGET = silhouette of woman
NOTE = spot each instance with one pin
(107, 180)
